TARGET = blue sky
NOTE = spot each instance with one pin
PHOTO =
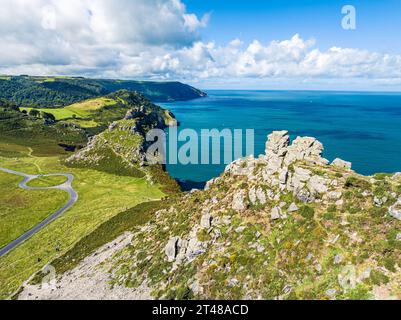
(247, 44)
(378, 22)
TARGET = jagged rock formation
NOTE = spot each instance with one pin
(395, 210)
(121, 148)
(281, 172)
(285, 225)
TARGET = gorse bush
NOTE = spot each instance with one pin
(357, 183)
(307, 212)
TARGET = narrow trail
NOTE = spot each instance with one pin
(30, 154)
(66, 186)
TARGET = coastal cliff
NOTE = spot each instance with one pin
(50, 92)
(285, 225)
(120, 149)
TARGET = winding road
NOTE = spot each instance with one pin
(66, 186)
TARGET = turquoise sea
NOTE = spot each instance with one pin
(364, 128)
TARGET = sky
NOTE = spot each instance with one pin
(211, 44)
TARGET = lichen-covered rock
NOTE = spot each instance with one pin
(210, 183)
(171, 248)
(318, 185)
(276, 213)
(239, 202)
(257, 196)
(334, 195)
(339, 163)
(395, 210)
(305, 196)
(277, 143)
(194, 248)
(261, 196)
(283, 176)
(338, 259)
(206, 221)
(301, 174)
(292, 208)
(307, 149)
(252, 196)
(136, 112)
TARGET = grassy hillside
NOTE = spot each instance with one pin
(116, 182)
(101, 197)
(51, 92)
(21, 210)
(16, 125)
(286, 225)
(70, 126)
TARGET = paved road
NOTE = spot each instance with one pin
(67, 186)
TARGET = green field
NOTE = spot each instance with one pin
(44, 182)
(20, 210)
(102, 196)
(81, 111)
(59, 113)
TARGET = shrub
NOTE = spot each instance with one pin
(375, 211)
(392, 241)
(332, 208)
(380, 176)
(184, 293)
(34, 113)
(243, 185)
(352, 210)
(379, 191)
(48, 117)
(378, 278)
(328, 216)
(389, 264)
(359, 293)
(307, 212)
(357, 183)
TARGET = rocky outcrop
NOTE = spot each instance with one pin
(280, 156)
(124, 143)
(395, 210)
(257, 196)
(292, 208)
(136, 112)
(171, 249)
(181, 251)
(239, 201)
(279, 150)
(339, 163)
(206, 221)
(278, 143)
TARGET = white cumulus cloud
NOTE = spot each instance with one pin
(160, 39)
